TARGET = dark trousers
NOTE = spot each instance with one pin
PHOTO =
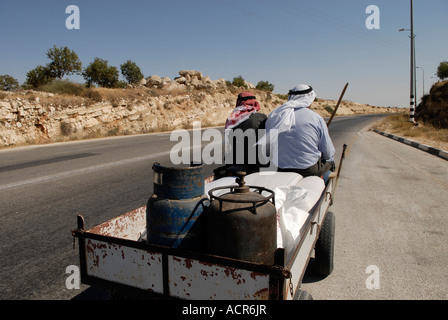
(319, 169)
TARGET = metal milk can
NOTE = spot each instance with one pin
(242, 224)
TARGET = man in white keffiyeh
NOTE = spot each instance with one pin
(298, 137)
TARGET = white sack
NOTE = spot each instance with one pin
(290, 219)
(314, 186)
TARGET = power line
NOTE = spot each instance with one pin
(299, 9)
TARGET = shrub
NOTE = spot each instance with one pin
(39, 76)
(92, 94)
(63, 87)
(8, 83)
(66, 128)
(239, 82)
(283, 96)
(442, 70)
(265, 86)
(329, 109)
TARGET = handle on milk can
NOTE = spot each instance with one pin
(241, 189)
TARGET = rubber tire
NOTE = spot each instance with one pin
(324, 249)
(302, 295)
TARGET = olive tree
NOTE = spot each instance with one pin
(63, 62)
(101, 73)
(131, 72)
(39, 76)
(8, 83)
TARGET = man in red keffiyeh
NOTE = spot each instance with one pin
(246, 105)
(245, 116)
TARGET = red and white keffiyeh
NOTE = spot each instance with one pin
(246, 104)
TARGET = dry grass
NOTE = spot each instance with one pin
(400, 125)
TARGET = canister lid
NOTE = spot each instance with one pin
(242, 194)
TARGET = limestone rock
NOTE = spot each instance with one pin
(142, 82)
(249, 85)
(166, 80)
(191, 73)
(180, 80)
(221, 83)
(154, 80)
(174, 85)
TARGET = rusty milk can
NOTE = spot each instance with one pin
(242, 224)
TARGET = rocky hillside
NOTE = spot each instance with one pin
(156, 104)
(434, 109)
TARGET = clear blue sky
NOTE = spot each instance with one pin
(324, 43)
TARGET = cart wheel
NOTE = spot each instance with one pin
(324, 249)
(302, 295)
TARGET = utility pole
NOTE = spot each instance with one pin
(413, 93)
(412, 102)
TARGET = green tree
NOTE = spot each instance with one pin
(38, 77)
(265, 86)
(131, 72)
(8, 83)
(442, 70)
(63, 62)
(239, 82)
(101, 73)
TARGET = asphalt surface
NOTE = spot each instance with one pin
(389, 206)
(44, 188)
(391, 225)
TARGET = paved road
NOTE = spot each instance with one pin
(43, 188)
(391, 217)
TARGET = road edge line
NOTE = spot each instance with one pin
(423, 147)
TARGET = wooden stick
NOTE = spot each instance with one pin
(337, 105)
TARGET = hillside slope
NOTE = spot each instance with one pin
(30, 117)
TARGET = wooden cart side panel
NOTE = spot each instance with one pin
(194, 279)
(124, 265)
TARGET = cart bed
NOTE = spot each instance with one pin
(112, 257)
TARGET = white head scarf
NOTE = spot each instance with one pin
(283, 118)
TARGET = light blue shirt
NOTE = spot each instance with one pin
(305, 143)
